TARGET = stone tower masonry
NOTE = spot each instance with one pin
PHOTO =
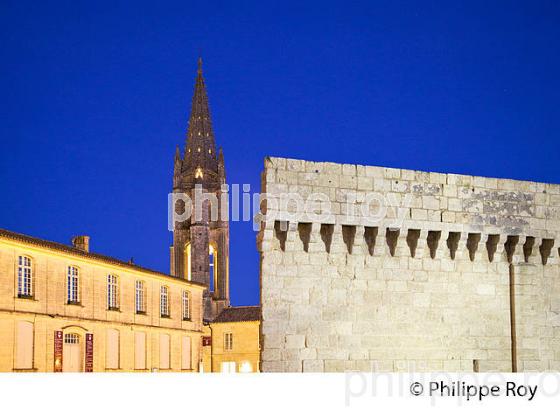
(407, 271)
(194, 239)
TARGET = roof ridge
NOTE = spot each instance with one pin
(61, 247)
(239, 314)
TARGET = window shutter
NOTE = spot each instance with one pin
(186, 360)
(140, 350)
(112, 357)
(164, 351)
(24, 347)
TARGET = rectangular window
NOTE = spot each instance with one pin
(140, 351)
(186, 355)
(228, 341)
(113, 349)
(112, 292)
(186, 305)
(73, 285)
(164, 302)
(140, 297)
(25, 279)
(24, 345)
(164, 352)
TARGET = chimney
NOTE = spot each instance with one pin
(81, 242)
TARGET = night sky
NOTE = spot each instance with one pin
(96, 95)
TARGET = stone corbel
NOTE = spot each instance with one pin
(371, 239)
(433, 239)
(512, 247)
(473, 241)
(546, 249)
(456, 242)
(392, 239)
(412, 240)
(530, 248)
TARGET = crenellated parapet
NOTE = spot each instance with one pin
(419, 205)
(371, 268)
(421, 241)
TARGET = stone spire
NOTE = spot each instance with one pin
(200, 150)
(195, 238)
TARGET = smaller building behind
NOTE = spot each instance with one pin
(235, 340)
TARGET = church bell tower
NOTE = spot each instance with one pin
(200, 250)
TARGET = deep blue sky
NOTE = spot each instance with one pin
(96, 95)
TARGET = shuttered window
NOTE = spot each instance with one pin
(140, 350)
(164, 352)
(113, 349)
(186, 355)
(24, 345)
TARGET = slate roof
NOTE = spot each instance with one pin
(239, 314)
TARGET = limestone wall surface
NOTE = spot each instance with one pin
(397, 270)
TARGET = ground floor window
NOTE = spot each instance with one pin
(228, 367)
(113, 350)
(164, 352)
(246, 367)
(186, 355)
(24, 345)
(140, 351)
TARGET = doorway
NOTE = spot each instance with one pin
(72, 360)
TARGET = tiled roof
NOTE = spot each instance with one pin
(239, 314)
(78, 252)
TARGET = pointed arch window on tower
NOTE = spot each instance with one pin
(199, 173)
(188, 261)
(213, 269)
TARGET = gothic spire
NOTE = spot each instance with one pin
(201, 149)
